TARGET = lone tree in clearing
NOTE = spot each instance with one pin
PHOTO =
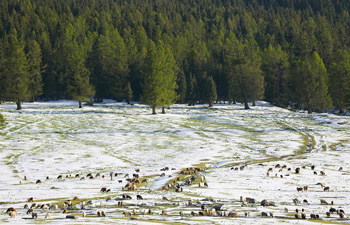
(159, 77)
(16, 75)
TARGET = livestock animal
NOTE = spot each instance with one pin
(323, 202)
(264, 214)
(139, 197)
(300, 189)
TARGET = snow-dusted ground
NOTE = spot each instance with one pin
(56, 138)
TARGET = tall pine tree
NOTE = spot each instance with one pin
(16, 71)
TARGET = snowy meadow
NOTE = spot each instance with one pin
(193, 165)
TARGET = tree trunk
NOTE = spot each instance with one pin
(80, 106)
(19, 104)
(254, 104)
(211, 104)
(309, 109)
(163, 110)
(154, 110)
(246, 106)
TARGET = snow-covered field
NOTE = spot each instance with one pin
(49, 139)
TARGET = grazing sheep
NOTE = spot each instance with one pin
(53, 207)
(313, 167)
(328, 214)
(25, 206)
(296, 215)
(306, 188)
(233, 214)
(297, 170)
(332, 210)
(326, 189)
(340, 211)
(31, 199)
(341, 215)
(315, 173)
(300, 189)
(104, 189)
(139, 197)
(305, 201)
(313, 216)
(38, 182)
(163, 212)
(182, 213)
(201, 213)
(12, 214)
(30, 211)
(250, 200)
(109, 199)
(34, 215)
(296, 201)
(65, 211)
(264, 214)
(205, 185)
(165, 198)
(324, 202)
(11, 209)
(271, 214)
(303, 215)
(322, 173)
(341, 169)
(48, 216)
(71, 217)
(265, 203)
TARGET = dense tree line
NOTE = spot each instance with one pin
(291, 52)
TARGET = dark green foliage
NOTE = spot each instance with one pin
(113, 37)
(339, 79)
(159, 72)
(275, 66)
(15, 73)
(2, 121)
(35, 70)
(310, 82)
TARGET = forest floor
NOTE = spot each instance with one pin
(49, 139)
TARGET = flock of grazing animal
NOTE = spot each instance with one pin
(186, 177)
